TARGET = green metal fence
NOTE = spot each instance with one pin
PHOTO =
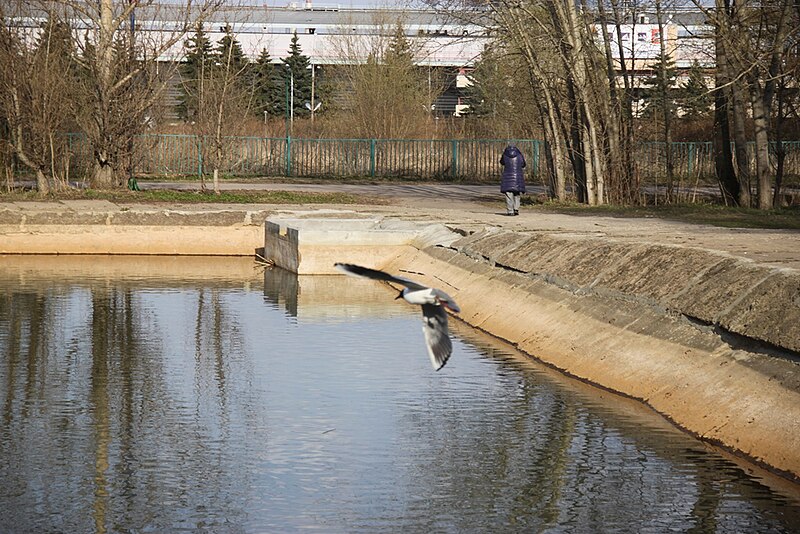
(446, 160)
(696, 159)
(456, 159)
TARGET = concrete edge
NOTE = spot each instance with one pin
(751, 301)
(747, 403)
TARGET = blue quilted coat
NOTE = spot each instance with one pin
(513, 162)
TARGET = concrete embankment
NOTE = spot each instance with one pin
(707, 340)
(99, 227)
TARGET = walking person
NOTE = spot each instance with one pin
(512, 183)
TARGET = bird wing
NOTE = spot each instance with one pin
(445, 300)
(437, 338)
(366, 272)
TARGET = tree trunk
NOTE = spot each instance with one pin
(554, 150)
(588, 161)
(627, 142)
(761, 100)
(550, 122)
(41, 183)
(567, 23)
(613, 121)
(780, 150)
(761, 126)
(738, 111)
(723, 156)
(103, 172)
(598, 161)
(576, 152)
(665, 105)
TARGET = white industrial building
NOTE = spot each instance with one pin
(439, 41)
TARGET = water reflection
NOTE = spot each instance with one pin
(182, 396)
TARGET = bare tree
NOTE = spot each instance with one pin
(382, 92)
(526, 36)
(753, 39)
(37, 75)
(723, 156)
(571, 71)
(224, 98)
(123, 76)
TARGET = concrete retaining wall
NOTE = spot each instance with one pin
(57, 229)
(649, 322)
(708, 340)
(757, 302)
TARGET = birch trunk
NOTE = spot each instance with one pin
(761, 127)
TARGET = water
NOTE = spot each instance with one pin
(200, 395)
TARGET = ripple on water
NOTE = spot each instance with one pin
(225, 405)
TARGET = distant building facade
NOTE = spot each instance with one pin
(439, 42)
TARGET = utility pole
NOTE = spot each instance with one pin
(313, 77)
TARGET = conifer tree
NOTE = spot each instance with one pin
(295, 71)
(230, 48)
(399, 61)
(55, 38)
(267, 85)
(199, 60)
(398, 51)
(695, 95)
(656, 94)
(487, 93)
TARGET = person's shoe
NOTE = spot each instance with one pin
(516, 212)
(509, 214)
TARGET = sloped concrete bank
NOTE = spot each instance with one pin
(705, 339)
(708, 340)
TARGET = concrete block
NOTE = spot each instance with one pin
(312, 246)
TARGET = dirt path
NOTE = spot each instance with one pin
(472, 207)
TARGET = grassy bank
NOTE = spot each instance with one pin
(193, 197)
(698, 213)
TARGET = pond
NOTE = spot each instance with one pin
(211, 395)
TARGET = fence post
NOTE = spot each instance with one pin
(372, 158)
(288, 156)
(454, 166)
(199, 156)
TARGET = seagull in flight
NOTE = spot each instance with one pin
(433, 302)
